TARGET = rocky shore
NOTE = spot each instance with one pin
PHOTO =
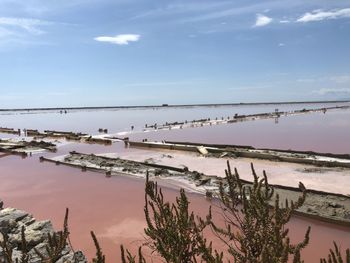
(36, 233)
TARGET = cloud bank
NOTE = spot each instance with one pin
(319, 15)
(123, 39)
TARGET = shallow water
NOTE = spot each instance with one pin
(313, 131)
(116, 120)
(318, 132)
(113, 207)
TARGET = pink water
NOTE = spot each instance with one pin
(113, 207)
(116, 120)
(319, 132)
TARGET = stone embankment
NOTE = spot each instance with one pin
(50, 134)
(236, 118)
(238, 151)
(25, 147)
(36, 235)
(323, 206)
(10, 131)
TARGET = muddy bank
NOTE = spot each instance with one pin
(325, 206)
(25, 147)
(310, 158)
(10, 131)
(36, 236)
(235, 119)
(230, 146)
(51, 134)
(116, 166)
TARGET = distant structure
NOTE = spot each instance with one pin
(276, 119)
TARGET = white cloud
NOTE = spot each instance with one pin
(319, 15)
(262, 20)
(28, 24)
(236, 10)
(338, 91)
(281, 44)
(123, 39)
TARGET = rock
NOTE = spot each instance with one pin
(334, 205)
(196, 175)
(28, 220)
(150, 160)
(202, 150)
(12, 213)
(9, 218)
(16, 254)
(35, 233)
(167, 156)
(1, 204)
(71, 257)
(347, 215)
(67, 255)
(203, 182)
(224, 154)
(34, 257)
(209, 194)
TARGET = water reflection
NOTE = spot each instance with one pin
(113, 207)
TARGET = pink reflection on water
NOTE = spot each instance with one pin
(113, 207)
(116, 120)
(316, 132)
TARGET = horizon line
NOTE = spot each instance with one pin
(164, 105)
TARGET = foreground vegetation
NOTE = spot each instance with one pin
(254, 228)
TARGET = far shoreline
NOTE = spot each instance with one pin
(173, 105)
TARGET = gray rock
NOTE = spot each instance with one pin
(334, 205)
(12, 213)
(34, 233)
(9, 218)
(34, 257)
(28, 220)
(71, 257)
(68, 256)
(1, 204)
(16, 254)
(80, 257)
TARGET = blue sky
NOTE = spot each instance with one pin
(131, 52)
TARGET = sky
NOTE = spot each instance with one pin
(60, 53)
